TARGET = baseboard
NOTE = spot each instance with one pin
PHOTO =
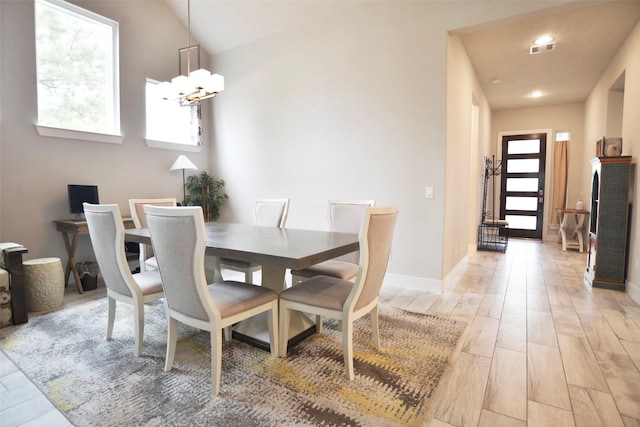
(633, 291)
(412, 282)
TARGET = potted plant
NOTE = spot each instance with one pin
(207, 192)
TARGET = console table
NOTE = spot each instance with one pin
(576, 231)
(73, 228)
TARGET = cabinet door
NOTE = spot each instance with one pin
(610, 203)
(612, 222)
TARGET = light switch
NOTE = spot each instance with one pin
(428, 193)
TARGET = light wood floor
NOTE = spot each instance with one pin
(541, 349)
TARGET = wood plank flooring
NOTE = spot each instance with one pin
(542, 348)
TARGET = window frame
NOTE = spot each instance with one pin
(114, 137)
(172, 145)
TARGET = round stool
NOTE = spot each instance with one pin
(44, 280)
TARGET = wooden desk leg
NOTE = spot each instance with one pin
(71, 261)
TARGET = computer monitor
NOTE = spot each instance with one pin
(78, 194)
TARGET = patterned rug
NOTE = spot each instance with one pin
(98, 382)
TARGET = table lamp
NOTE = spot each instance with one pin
(182, 162)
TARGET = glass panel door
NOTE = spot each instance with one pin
(522, 184)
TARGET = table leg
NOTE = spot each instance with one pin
(71, 262)
(579, 221)
(563, 231)
(256, 327)
(212, 269)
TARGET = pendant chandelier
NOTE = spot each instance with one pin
(197, 85)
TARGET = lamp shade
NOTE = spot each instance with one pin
(182, 162)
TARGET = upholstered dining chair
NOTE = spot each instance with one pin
(345, 216)
(106, 232)
(269, 213)
(343, 300)
(179, 240)
(147, 260)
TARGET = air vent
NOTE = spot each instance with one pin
(542, 48)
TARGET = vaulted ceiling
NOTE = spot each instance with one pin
(587, 36)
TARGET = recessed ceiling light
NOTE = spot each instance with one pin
(535, 94)
(495, 81)
(543, 40)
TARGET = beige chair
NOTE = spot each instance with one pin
(106, 231)
(345, 216)
(341, 299)
(179, 240)
(267, 212)
(147, 260)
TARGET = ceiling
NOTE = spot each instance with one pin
(587, 36)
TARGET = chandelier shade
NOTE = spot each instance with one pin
(196, 85)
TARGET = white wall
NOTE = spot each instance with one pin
(465, 162)
(352, 107)
(568, 117)
(626, 60)
(1, 60)
(348, 107)
(35, 171)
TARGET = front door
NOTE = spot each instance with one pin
(522, 184)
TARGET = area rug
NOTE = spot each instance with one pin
(96, 382)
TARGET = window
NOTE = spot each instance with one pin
(77, 70)
(562, 136)
(167, 122)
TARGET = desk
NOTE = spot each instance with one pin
(73, 228)
(577, 228)
(276, 249)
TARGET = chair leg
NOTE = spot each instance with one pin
(228, 333)
(318, 324)
(111, 316)
(272, 323)
(375, 332)
(347, 347)
(248, 276)
(284, 328)
(172, 339)
(139, 327)
(216, 361)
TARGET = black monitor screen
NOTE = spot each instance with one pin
(78, 194)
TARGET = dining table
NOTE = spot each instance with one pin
(276, 249)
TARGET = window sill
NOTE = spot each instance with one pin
(173, 146)
(74, 134)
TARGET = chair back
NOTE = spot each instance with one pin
(347, 216)
(179, 241)
(136, 207)
(375, 247)
(271, 212)
(106, 232)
